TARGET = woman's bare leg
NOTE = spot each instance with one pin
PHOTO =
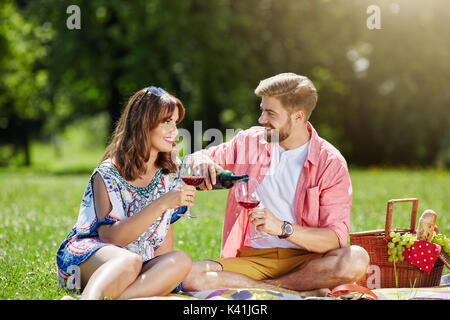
(117, 273)
(108, 272)
(159, 276)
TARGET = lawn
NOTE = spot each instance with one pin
(39, 208)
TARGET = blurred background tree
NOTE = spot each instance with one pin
(24, 104)
(383, 94)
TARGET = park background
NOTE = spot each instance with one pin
(384, 102)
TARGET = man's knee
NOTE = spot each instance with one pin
(353, 263)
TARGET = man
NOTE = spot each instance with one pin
(306, 194)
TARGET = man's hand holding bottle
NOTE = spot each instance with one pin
(208, 166)
(216, 176)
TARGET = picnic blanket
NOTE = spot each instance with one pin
(441, 292)
(434, 293)
(234, 294)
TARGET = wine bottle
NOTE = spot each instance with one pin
(225, 179)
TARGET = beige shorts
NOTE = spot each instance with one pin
(261, 264)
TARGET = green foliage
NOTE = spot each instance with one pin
(383, 95)
(24, 78)
(24, 99)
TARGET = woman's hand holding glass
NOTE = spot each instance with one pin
(180, 195)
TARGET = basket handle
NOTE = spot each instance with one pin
(390, 207)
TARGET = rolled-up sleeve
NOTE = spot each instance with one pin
(336, 201)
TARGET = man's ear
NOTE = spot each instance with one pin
(299, 116)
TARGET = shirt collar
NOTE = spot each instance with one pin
(314, 145)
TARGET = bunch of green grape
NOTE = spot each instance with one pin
(401, 241)
(398, 244)
(441, 240)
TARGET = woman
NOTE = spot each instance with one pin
(121, 245)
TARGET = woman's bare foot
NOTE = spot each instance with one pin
(67, 297)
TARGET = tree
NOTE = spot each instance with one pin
(24, 104)
(382, 92)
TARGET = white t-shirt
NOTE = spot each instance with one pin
(277, 192)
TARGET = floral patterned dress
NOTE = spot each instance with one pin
(126, 200)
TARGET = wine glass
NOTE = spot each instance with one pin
(246, 197)
(191, 175)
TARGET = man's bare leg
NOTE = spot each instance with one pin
(208, 275)
(336, 267)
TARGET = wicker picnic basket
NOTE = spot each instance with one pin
(375, 243)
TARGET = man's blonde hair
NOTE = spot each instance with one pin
(294, 92)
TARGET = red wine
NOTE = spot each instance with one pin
(193, 181)
(249, 204)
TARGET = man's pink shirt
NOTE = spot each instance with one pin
(324, 191)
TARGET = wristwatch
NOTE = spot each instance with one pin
(287, 229)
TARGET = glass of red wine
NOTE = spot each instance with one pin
(246, 197)
(191, 175)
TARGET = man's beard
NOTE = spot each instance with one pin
(278, 135)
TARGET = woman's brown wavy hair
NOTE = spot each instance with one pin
(129, 149)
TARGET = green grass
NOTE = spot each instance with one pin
(40, 206)
(374, 187)
(39, 209)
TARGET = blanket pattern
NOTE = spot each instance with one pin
(433, 293)
(441, 292)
